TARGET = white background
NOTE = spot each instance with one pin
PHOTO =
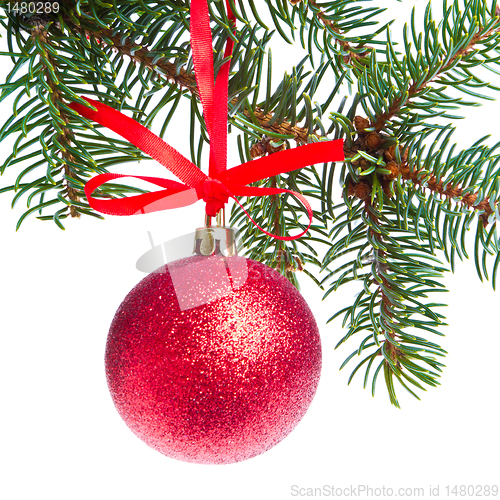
(61, 438)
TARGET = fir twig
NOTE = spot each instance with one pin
(351, 53)
(140, 54)
(54, 101)
(446, 61)
(180, 77)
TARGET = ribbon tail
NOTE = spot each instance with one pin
(284, 161)
(257, 191)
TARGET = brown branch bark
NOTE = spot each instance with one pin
(56, 98)
(363, 189)
(346, 46)
(449, 191)
(186, 80)
(385, 300)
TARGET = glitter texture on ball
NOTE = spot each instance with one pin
(215, 382)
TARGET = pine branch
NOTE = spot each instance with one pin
(396, 163)
(396, 274)
(430, 182)
(442, 61)
(50, 135)
(449, 193)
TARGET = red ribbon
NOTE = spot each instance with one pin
(221, 183)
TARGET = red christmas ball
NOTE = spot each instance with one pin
(213, 359)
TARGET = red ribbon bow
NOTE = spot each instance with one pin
(221, 183)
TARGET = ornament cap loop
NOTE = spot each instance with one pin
(216, 241)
